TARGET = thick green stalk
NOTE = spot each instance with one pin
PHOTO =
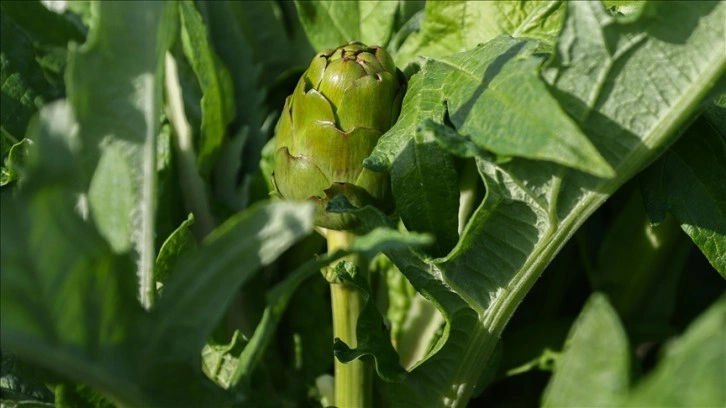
(353, 381)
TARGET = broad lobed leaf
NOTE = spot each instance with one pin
(475, 89)
(533, 207)
(455, 26)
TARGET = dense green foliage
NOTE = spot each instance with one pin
(558, 239)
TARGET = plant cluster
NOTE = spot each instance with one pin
(522, 203)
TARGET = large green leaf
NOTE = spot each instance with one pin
(688, 181)
(533, 207)
(594, 367)
(329, 24)
(454, 26)
(67, 304)
(114, 86)
(477, 89)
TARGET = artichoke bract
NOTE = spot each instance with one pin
(342, 104)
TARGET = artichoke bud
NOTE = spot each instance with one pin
(343, 103)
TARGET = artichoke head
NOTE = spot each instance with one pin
(343, 103)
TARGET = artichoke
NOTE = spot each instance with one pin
(342, 104)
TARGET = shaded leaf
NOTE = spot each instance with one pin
(215, 81)
(329, 24)
(220, 361)
(692, 371)
(378, 240)
(427, 204)
(371, 334)
(193, 303)
(23, 84)
(593, 369)
(114, 86)
(688, 182)
(641, 278)
(177, 245)
(86, 338)
(43, 26)
(15, 387)
(455, 26)
(243, 34)
(13, 164)
(476, 88)
(533, 207)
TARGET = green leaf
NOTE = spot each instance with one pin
(228, 257)
(262, 26)
(376, 241)
(476, 88)
(688, 182)
(67, 304)
(371, 334)
(18, 154)
(624, 7)
(692, 371)
(454, 26)
(720, 101)
(421, 387)
(414, 320)
(43, 26)
(23, 86)
(641, 278)
(329, 24)
(111, 194)
(15, 385)
(83, 10)
(177, 245)
(220, 361)
(215, 82)
(79, 396)
(594, 367)
(277, 300)
(114, 85)
(243, 34)
(533, 207)
(427, 204)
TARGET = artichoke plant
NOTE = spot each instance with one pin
(342, 104)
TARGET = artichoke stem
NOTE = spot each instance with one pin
(353, 381)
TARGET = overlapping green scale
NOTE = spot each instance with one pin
(339, 109)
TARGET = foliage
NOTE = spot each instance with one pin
(560, 160)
